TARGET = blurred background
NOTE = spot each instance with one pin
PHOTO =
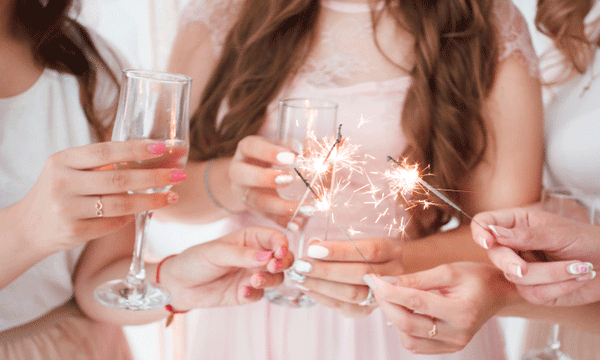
(143, 30)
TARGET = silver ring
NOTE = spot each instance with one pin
(369, 300)
(433, 331)
(245, 196)
(99, 206)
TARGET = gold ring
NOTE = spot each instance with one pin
(99, 206)
(433, 331)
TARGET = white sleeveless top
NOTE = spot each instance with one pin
(35, 124)
(346, 67)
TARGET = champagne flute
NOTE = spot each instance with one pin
(152, 105)
(302, 126)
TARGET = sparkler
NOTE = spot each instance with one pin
(407, 178)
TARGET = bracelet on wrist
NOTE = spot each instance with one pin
(168, 307)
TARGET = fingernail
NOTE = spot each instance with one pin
(177, 176)
(580, 268)
(588, 276)
(286, 158)
(262, 256)
(277, 265)
(247, 291)
(369, 281)
(389, 323)
(483, 242)
(501, 231)
(292, 226)
(506, 276)
(284, 179)
(303, 288)
(390, 279)
(317, 252)
(172, 198)
(294, 276)
(259, 281)
(307, 210)
(302, 266)
(516, 270)
(281, 253)
(157, 148)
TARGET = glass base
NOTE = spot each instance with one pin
(288, 297)
(545, 354)
(120, 294)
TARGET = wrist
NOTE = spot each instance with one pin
(162, 278)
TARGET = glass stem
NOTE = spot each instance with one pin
(555, 345)
(137, 274)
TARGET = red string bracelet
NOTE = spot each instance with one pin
(168, 307)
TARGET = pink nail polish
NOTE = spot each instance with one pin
(157, 148)
(177, 176)
(282, 252)
(172, 198)
(580, 268)
(259, 281)
(278, 264)
(247, 292)
(265, 255)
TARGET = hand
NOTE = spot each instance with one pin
(570, 246)
(63, 203)
(254, 179)
(334, 271)
(457, 298)
(232, 270)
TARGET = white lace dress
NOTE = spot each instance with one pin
(370, 92)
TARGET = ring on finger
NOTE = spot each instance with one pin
(369, 300)
(99, 206)
(433, 331)
(245, 196)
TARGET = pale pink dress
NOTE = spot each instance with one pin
(347, 68)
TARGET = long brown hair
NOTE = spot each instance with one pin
(456, 54)
(563, 22)
(60, 43)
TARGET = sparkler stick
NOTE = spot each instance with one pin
(337, 223)
(439, 194)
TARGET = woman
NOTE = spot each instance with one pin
(434, 81)
(58, 95)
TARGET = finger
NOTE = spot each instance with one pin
(374, 250)
(248, 294)
(354, 294)
(95, 228)
(349, 310)
(106, 153)
(120, 181)
(249, 175)
(508, 261)
(423, 302)
(264, 280)
(226, 255)
(343, 272)
(483, 234)
(557, 294)
(259, 148)
(408, 322)
(552, 272)
(123, 204)
(417, 345)
(435, 278)
(268, 202)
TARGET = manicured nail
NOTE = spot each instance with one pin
(177, 176)
(247, 291)
(281, 253)
(172, 198)
(277, 265)
(286, 158)
(307, 210)
(303, 288)
(262, 256)
(369, 281)
(317, 252)
(580, 268)
(157, 148)
(302, 266)
(284, 179)
(588, 276)
(493, 228)
(506, 276)
(516, 270)
(292, 226)
(483, 243)
(258, 281)
(502, 231)
(390, 279)
(294, 276)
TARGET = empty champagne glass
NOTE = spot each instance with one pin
(152, 105)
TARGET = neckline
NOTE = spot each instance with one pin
(347, 7)
(30, 90)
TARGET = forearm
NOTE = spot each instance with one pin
(441, 248)
(17, 253)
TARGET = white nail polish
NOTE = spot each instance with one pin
(302, 266)
(580, 268)
(293, 227)
(493, 228)
(369, 281)
(307, 210)
(284, 179)
(317, 252)
(303, 288)
(286, 158)
(483, 243)
(588, 276)
(516, 269)
(294, 276)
